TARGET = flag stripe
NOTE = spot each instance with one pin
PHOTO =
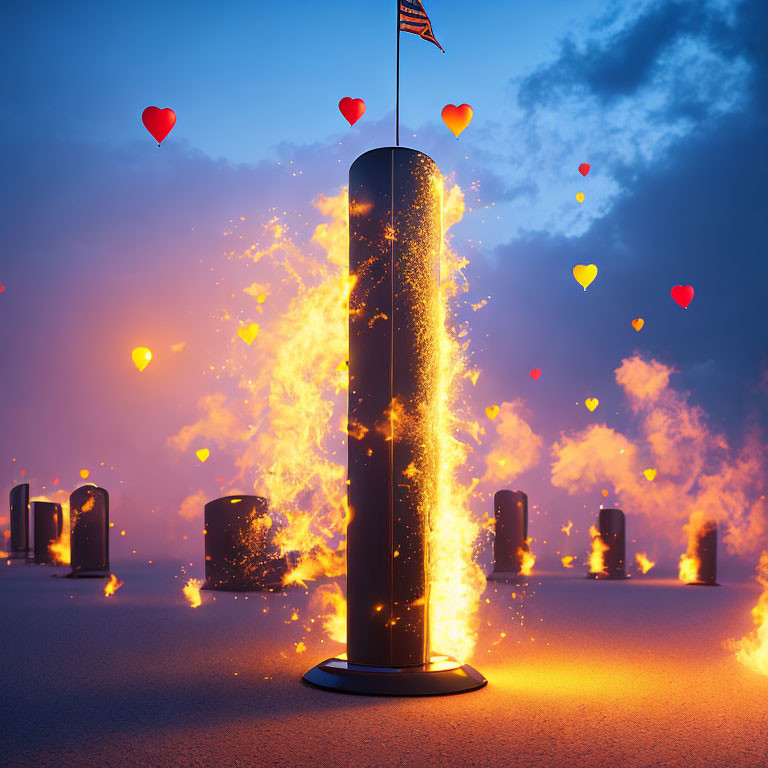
(413, 18)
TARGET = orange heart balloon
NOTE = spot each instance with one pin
(457, 118)
(638, 324)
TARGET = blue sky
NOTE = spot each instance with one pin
(108, 240)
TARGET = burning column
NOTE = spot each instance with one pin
(611, 545)
(510, 542)
(89, 532)
(19, 500)
(698, 567)
(240, 553)
(47, 525)
(395, 237)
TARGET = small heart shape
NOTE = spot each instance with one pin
(638, 324)
(535, 374)
(84, 474)
(141, 357)
(650, 474)
(248, 332)
(492, 411)
(591, 403)
(683, 295)
(604, 491)
(584, 169)
(580, 197)
(352, 109)
(2, 287)
(202, 454)
(585, 274)
(158, 122)
(55, 480)
(457, 118)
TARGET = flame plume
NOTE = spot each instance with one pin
(752, 650)
(599, 547)
(112, 585)
(643, 562)
(191, 591)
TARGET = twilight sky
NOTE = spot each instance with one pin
(108, 242)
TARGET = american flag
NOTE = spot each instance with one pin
(413, 18)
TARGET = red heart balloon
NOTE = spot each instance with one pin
(2, 287)
(352, 109)
(535, 373)
(158, 122)
(683, 295)
(584, 169)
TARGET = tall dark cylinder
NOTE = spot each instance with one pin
(706, 553)
(19, 502)
(510, 509)
(240, 553)
(395, 237)
(613, 533)
(394, 248)
(89, 531)
(47, 525)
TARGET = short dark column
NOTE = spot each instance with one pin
(612, 527)
(47, 525)
(240, 553)
(19, 502)
(510, 541)
(89, 532)
(705, 553)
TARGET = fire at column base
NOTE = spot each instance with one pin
(442, 676)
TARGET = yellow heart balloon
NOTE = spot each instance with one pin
(492, 411)
(141, 357)
(650, 474)
(591, 403)
(202, 454)
(248, 332)
(580, 197)
(584, 274)
(84, 474)
(638, 324)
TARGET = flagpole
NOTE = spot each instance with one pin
(397, 77)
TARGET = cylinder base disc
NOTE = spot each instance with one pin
(511, 577)
(88, 575)
(443, 675)
(607, 577)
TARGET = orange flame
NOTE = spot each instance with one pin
(644, 563)
(191, 591)
(567, 561)
(112, 585)
(599, 547)
(752, 650)
(59, 549)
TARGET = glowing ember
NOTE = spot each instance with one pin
(566, 529)
(643, 562)
(752, 650)
(191, 591)
(112, 585)
(567, 561)
(599, 547)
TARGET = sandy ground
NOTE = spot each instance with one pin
(598, 674)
